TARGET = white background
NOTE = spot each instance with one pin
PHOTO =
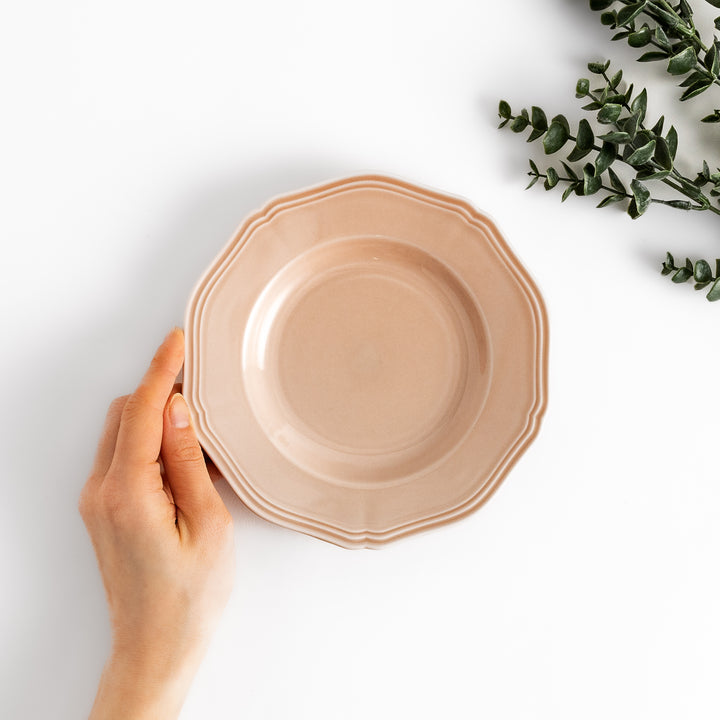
(135, 138)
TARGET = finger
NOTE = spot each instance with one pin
(106, 446)
(141, 426)
(185, 469)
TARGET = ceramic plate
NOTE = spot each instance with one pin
(365, 359)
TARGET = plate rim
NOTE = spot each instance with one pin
(527, 285)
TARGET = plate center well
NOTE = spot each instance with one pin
(360, 357)
(368, 361)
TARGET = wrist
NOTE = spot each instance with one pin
(138, 683)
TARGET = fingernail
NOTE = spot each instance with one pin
(179, 415)
(175, 329)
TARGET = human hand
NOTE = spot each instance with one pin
(164, 544)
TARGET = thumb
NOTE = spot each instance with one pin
(185, 470)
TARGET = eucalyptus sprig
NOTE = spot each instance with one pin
(647, 151)
(672, 34)
(621, 135)
(700, 271)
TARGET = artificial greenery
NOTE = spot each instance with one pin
(622, 135)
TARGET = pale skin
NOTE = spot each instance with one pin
(164, 543)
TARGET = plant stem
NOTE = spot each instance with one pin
(571, 180)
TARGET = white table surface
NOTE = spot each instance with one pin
(135, 139)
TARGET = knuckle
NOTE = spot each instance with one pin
(86, 506)
(118, 404)
(188, 453)
(133, 407)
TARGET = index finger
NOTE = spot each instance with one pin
(140, 433)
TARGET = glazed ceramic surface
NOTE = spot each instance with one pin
(365, 359)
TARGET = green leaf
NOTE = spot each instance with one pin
(641, 196)
(661, 38)
(702, 272)
(684, 9)
(615, 137)
(592, 106)
(609, 200)
(679, 204)
(532, 182)
(605, 158)
(714, 293)
(640, 38)
(567, 192)
(519, 124)
(639, 105)
(682, 62)
(609, 18)
(714, 117)
(652, 174)
(714, 3)
(585, 136)
(552, 178)
(692, 78)
(652, 56)
(669, 265)
(717, 23)
(504, 110)
(696, 88)
(616, 79)
(563, 121)
(600, 4)
(556, 136)
(582, 88)
(534, 167)
(682, 275)
(534, 135)
(711, 59)
(690, 189)
(571, 173)
(671, 20)
(642, 154)
(591, 182)
(630, 125)
(616, 182)
(538, 118)
(672, 141)
(662, 154)
(657, 128)
(598, 68)
(629, 13)
(609, 113)
(578, 153)
(618, 98)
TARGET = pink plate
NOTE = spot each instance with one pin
(366, 359)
